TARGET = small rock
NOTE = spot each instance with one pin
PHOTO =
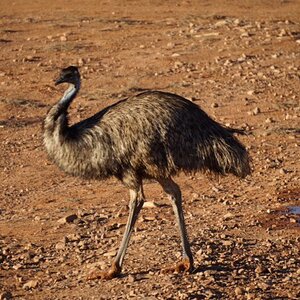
(228, 216)
(260, 269)
(282, 171)
(283, 32)
(256, 111)
(73, 237)
(67, 219)
(195, 196)
(149, 204)
(245, 34)
(238, 291)
(227, 62)
(251, 92)
(237, 22)
(214, 105)
(264, 286)
(170, 45)
(131, 279)
(82, 245)
(60, 246)
(110, 253)
(17, 266)
(147, 218)
(221, 23)
(32, 284)
(178, 64)
(63, 38)
(81, 62)
(227, 243)
(269, 120)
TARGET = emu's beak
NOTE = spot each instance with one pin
(58, 81)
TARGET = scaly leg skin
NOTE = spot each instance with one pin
(173, 191)
(135, 205)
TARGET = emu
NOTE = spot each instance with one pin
(152, 135)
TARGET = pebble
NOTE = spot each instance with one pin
(17, 266)
(81, 62)
(260, 269)
(73, 237)
(283, 33)
(269, 120)
(256, 111)
(221, 23)
(32, 284)
(238, 291)
(228, 216)
(227, 243)
(68, 219)
(237, 22)
(263, 285)
(110, 253)
(170, 45)
(245, 34)
(283, 171)
(63, 38)
(131, 278)
(150, 204)
(178, 64)
(60, 246)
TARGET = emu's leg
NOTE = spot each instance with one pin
(135, 205)
(174, 193)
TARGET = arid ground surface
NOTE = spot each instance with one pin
(239, 62)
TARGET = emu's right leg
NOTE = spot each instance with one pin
(135, 205)
(174, 194)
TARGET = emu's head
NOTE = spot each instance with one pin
(69, 75)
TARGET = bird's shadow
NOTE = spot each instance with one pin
(202, 269)
(140, 275)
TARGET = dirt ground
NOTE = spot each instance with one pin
(238, 60)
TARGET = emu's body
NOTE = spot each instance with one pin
(150, 135)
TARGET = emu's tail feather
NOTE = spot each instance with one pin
(238, 131)
(227, 155)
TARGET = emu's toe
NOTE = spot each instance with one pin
(183, 266)
(113, 272)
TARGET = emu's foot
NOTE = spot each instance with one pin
(183, 266)
(113, 272)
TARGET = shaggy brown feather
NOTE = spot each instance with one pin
(153, 134)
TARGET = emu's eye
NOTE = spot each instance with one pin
(68, 75)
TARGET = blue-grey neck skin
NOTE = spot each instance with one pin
(69, 95)
(57, 117)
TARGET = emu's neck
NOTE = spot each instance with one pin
(57, 117)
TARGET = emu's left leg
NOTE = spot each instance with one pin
(135, 205)
(174, 193)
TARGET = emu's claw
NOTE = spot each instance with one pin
(183, 266)
(113, 272)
